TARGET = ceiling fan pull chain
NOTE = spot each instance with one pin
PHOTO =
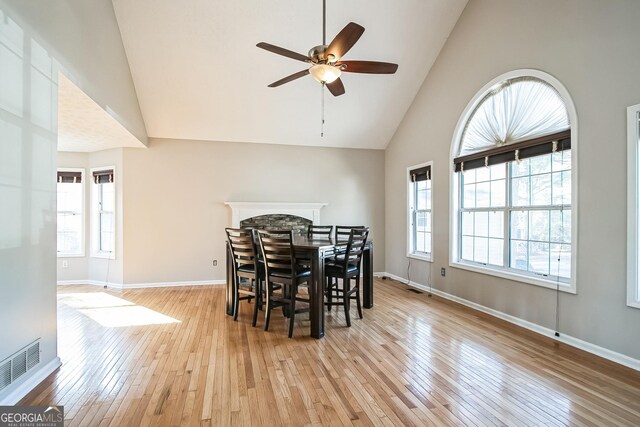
(322, 114)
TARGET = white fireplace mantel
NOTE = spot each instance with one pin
(243, 210)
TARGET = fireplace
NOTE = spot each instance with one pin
(277, 222)
(275, 215)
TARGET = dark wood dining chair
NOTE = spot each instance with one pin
(246, 269)
(283, 275)
(320, 231)
(343, 269)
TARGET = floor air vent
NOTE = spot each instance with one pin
(415, 291)
(19, 364)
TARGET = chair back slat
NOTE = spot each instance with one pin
(322, 231)
(278, 252)
(344, 231)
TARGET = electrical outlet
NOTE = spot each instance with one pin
(443, 272)
(215, 262)
(65, 264)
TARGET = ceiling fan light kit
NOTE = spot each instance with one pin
(325, 73)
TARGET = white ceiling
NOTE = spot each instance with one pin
(199, 75)
(84, 126)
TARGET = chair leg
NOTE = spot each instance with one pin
(329, 294)
(292, 309)
(255, 308)
(347, 302)
(358, 296)
(236, 306)
(267, 315)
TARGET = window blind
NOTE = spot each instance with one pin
(69, 177)
(103, 176)
(420, 174)
(520, 150)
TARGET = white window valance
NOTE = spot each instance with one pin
(518, 109)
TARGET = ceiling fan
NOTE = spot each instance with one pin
(326, 60)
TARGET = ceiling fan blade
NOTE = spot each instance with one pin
(345, 40)
(290, 78)
(336, 88)
(370, 67)
(282, 51)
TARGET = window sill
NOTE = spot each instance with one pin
(428, 258)
(62, 255)
(633, 304)
(564, 287)
(104, 255)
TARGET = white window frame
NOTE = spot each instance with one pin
(411, 203)
(95, 217)
(502, 272)
(82, 215)
(633, 142)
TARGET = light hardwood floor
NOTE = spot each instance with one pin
(413, 360)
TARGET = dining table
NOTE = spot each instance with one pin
(317, 250)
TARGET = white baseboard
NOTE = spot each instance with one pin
(141, 285)
(30, 383)
(567, 339)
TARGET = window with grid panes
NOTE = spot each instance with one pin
(512, 170)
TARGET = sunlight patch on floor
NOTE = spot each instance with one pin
(113, 312)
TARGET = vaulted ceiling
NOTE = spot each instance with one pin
(199, 75)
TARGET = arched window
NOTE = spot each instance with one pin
(512, 183)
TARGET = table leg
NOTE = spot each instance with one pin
(316, 294)
(367, 272)
(230, 279)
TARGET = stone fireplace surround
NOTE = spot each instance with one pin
(245, 210)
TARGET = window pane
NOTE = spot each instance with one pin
(482, 174)
(467, 248)
(520, 225)
(419, 242)
(520, 168)
(498, 197)
(108, 198)
(427, 243)
(467, 223)
(519, 257)
(427, 221)
(539, 257)
(496, 224)
(541, 190)
(520, 191)
(561, 160)
(481, 224)
(69, 218)
(560, 226)
(562, 188)
(539, 225)
(469, 176)
(483, 196)
(498, 171)
(420, 221)
(428, 196)
(540, 164)
(480, 250)
(563, 267)
(496, 252)
(469, 200)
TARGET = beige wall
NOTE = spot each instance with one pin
(174, 194)
(591, 47)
